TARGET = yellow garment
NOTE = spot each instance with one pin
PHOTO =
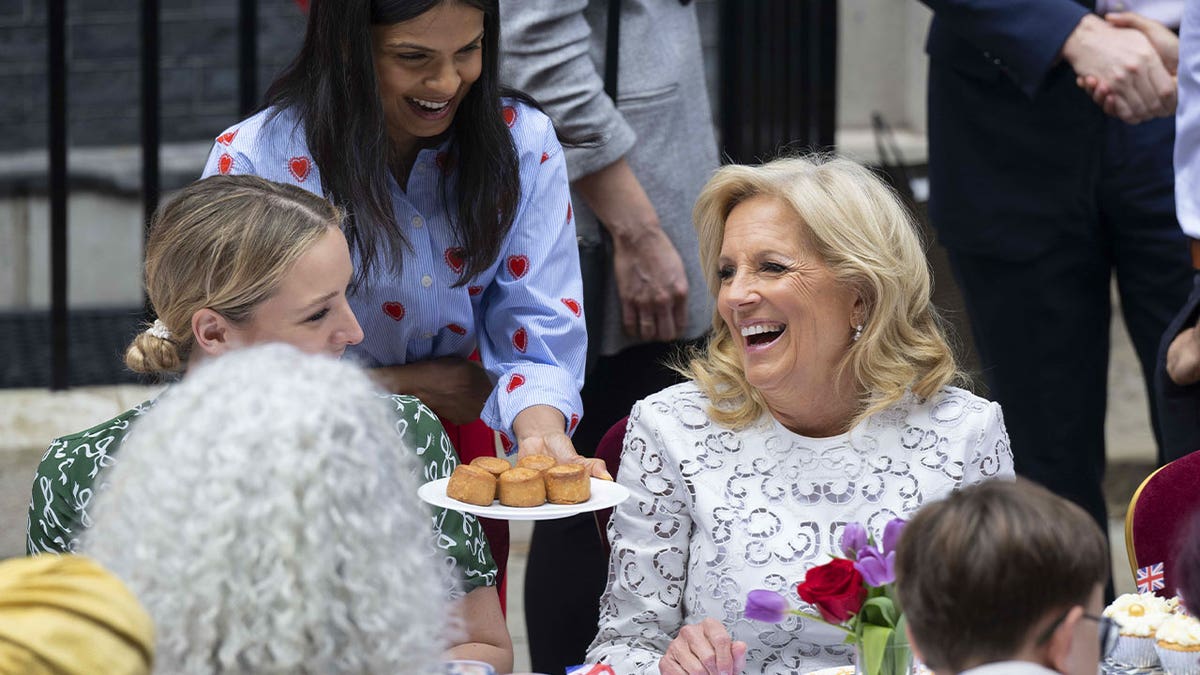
(65, 614)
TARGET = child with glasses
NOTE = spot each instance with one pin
(1005, 579)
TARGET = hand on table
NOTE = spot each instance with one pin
(454, 387)
(541, 430)
(1123, 64)
(1183, 357)
(704, 648)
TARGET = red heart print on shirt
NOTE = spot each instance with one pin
(455, 257)
(456, 329)
(224, 163)
(568, 212)
(505, 443)
(574, 422)
(515, 381)
(573, 305)
(227, 137)
(474, 290)
(518, 265)
(544, 158)
(510, 115)
(299, 167)
(394, 310)
(520, 340)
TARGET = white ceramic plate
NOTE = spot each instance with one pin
(849, 670)
(836, 670)
(605, 493)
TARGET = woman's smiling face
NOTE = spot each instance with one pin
(424, 68)
(791, 317)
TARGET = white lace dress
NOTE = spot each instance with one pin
(715, 514)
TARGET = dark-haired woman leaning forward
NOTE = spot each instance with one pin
(460, 213)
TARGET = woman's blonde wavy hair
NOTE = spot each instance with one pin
(225, 243)
(858, 226)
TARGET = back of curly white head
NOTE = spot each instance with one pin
(265, 512)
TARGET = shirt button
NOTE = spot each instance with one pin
(426, 281)
(427, 335)
(418, 221)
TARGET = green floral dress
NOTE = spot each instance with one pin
(66, 482)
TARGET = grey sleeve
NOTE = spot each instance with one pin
(546, 52)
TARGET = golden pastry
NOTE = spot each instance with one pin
(521, 487)
(492, 465)
(472, 485)
(567, 484)
(538, 463)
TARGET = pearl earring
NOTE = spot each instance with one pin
(857, 332)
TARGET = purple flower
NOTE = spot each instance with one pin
(766, 606)
(891, 534)
(876, 569)
(854, 538)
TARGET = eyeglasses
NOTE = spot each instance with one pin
(1108, 632)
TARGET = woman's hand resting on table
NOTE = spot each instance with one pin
(454, 387)
(541, 430)
(704, 648)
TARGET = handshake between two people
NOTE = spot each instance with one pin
(1127, 63)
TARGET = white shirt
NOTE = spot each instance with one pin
(1187, 124)
(1166, 12)
(715, 514)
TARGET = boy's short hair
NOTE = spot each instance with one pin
(976, 572)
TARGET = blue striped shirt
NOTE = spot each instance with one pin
(524, 313)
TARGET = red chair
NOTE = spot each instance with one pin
(609, 450)
(1158, 510)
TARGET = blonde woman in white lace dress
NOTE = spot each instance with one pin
(824, 397)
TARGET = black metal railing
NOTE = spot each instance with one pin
(57, 57)
(151, 142)
(778, 76)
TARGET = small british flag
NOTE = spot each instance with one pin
(1150, 578)
(590, 669)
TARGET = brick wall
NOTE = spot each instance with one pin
(199, 67)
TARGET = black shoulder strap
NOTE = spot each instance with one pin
(612, 49)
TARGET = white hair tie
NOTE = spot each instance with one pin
(159, 330)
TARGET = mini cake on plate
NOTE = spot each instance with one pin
(521, 487)
(567, 484)
(1138, 615)
(1177, 641)
(538, 463)
(472, 485)
(492, 465)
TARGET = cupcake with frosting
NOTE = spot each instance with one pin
(1177, 642)
(1138, 615)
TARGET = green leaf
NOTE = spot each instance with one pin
(874, 641)
(880, 612)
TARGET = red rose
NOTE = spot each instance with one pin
(835, 588)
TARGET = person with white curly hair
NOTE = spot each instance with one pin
(235, 261)
(262, 515)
